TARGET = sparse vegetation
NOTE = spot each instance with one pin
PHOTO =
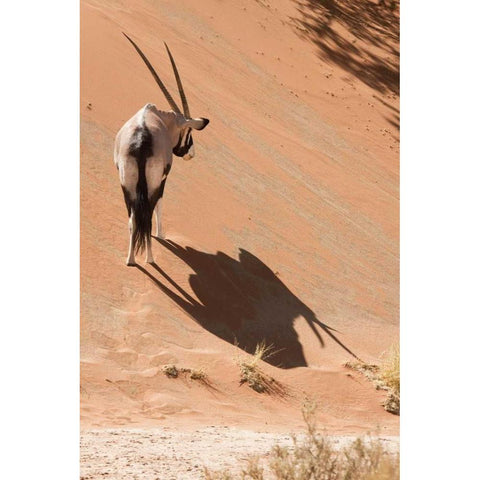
(390, 376)
(198, 374)
(194, 374)
(370, 370)
(316, 458)
(252, 374)
(170, 371)
(385, 377)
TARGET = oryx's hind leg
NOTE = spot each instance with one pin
(149, 258)
(158, 221)
(131, 254)
(131, 227)
(158, 207)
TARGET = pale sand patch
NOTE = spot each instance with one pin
(168, 454)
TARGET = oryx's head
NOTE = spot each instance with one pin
(182, 141)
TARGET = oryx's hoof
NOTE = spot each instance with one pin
(131, 263)
(150, 260)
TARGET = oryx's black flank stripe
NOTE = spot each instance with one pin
(141, 148)
(158, 192)
(162, 185)
(167, 170)
(128, 202)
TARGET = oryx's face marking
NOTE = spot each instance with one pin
(184, 147)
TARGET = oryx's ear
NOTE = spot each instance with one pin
(197, 123)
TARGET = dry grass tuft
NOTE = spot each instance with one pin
(390, 376)
(315, 458)
(254, 377)
(385, 377)
(369, 370)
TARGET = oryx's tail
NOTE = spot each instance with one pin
(141, 148)
(143, 218)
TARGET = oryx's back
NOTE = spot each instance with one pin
(142, 144)
(141, 134)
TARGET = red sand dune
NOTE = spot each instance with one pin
(283, 228)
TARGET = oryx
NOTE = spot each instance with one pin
(143, 157)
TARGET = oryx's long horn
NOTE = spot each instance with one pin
(186, 110)
(155, 76)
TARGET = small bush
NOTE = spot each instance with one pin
(390, 376)
(170, 371)
(315, 458)
(198, 375)
(385, 377)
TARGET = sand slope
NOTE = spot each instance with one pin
(284, 228)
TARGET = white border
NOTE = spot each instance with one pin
(40, 239)
(440, 239)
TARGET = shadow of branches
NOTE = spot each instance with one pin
(360, 36)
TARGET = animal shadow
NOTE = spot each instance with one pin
(243, 302)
